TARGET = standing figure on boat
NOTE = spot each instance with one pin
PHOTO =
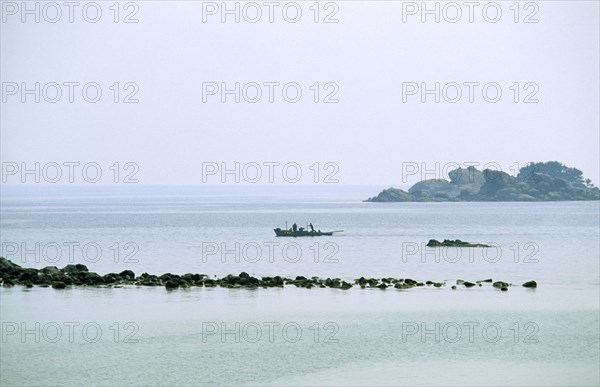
(294, 227)
(312, 229)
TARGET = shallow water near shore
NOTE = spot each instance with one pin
(545, 336)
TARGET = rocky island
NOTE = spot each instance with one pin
(550, 181)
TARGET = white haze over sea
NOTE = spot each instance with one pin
(369, 54)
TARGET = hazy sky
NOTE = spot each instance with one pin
(364, 60)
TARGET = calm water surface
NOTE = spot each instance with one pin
(424, 336)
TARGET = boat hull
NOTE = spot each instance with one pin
(287, 233)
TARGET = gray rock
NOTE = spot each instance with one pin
(171, 284)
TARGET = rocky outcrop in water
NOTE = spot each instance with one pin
(550, 181)
(453, 243)
(12, 274)
(530, 284)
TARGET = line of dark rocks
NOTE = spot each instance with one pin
(78, 275)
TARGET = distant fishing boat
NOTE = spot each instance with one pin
(301, 232)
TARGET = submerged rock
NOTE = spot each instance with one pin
(171, 284)
(111, 278)
(453, 243)
(410, 282)
(345, 285)
(403, 286)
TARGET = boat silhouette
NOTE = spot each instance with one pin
(301, 232)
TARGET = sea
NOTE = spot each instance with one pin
(134, 335)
